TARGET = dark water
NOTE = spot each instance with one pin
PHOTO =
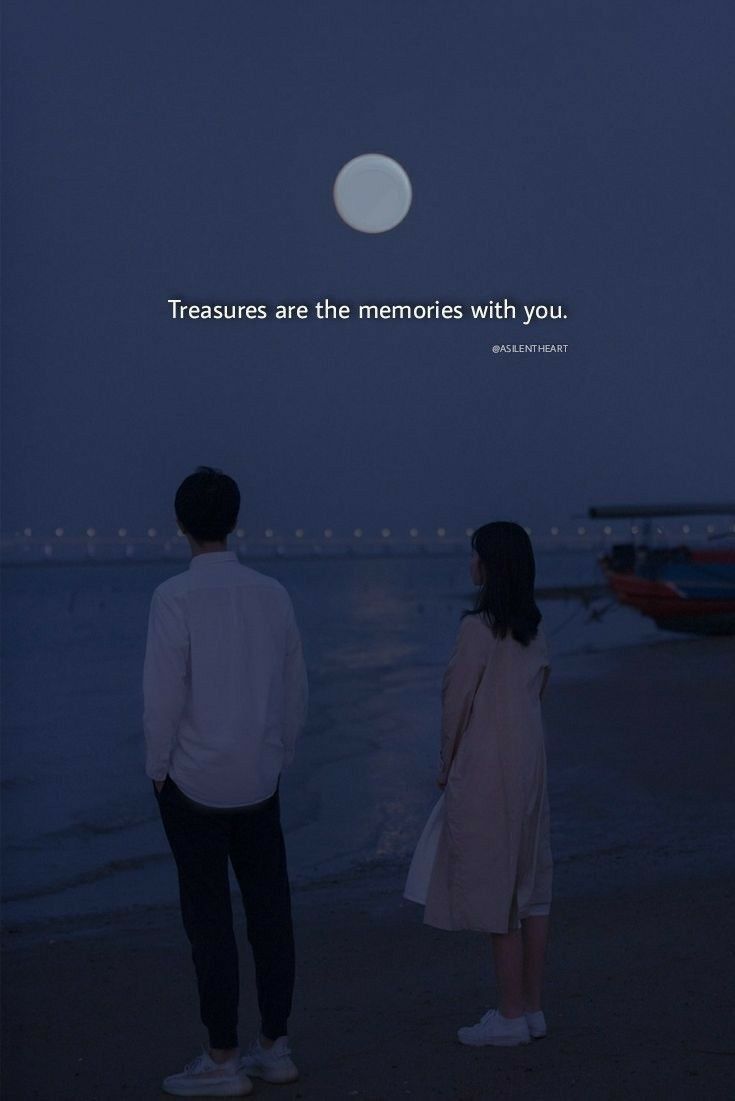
(81, 827)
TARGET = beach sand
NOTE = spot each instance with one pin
(640, 980)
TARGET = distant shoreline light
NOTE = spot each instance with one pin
(94, 538)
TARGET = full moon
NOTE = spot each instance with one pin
(372, 193)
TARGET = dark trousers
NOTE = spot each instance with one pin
(202, 840)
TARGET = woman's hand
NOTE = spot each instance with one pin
(159, 784)
(441, 784)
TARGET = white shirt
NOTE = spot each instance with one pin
(224, 682)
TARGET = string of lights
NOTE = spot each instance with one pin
(93, 542)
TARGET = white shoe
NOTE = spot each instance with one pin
(494, 1028)
(272, 1064)
(205, 1078)
(536, 1024)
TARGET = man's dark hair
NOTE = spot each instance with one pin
(207, 504)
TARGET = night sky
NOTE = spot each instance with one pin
(559, 152)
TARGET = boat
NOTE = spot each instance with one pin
(681, 588)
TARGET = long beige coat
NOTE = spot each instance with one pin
(493, 857)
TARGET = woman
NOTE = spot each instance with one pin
(484, 860)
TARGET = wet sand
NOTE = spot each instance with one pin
(640, 969)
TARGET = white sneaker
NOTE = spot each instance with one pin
(494, 1028)
(536, 1024)
(272, 1064)
(205, 1078)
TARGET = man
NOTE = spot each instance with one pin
(225, 693)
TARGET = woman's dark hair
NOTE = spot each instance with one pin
(506, 598)
(207, 504)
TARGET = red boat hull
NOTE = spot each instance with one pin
(698, 596)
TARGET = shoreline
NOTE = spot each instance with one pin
(637, 1000)
(639, 967)
(378, 884)
(588, 721)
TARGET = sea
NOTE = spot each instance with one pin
(82, 834)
